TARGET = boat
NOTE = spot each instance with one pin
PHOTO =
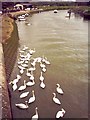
(55, 11)
(22, 19)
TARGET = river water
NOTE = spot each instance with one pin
(64, 42)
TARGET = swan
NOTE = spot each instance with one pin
(20, 67)
(25, 48)
(22, 56)
(24, 65)
(32, 99)
(42, 65)
(46, 61)
(33, 63)
(28, 56)
(21, 71)
(32, 77)
(44, 69)
(35, 117)
(23, 87)
(26, 61)
(32, 51)
(27, 73)
(20, 62)
(18, 77)
(60, 113)
(32, 68)
(23, 95)
(42, 85)
(38, 59)
(41, 77)
(30, 83)
(56, 100)
(21, 51)
(59, 90)
(22, 106)
(14, 81)
(14, 87)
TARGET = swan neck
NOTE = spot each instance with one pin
(36, 112)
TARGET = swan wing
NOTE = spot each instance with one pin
(21, 105)
(24, 94)
(35, 117)
(57, 101)
(59, 114)
(59, 90)
(32, 99)
(21, 88)
(42, 85)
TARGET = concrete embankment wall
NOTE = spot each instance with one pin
(5, 111)
(8, 55)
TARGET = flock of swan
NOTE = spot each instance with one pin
(25, 57)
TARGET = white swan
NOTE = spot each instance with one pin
(28, 56)
(59, 90)
(46, 61)
(32, 99)
(26, 61)
(30, 83)
(23, 95)
(22, 106)
(25, 48)
(41, 77)
(35, 117)
(20, 62)
(56, 100)
(23, 87)
(24, 65)
(32, 68)
(32, 51)
(18, 77)
(33, 63)
(20, 67)
(42, 85)
(38, 59)
(14, 81)
(42, 65)
(21, 71)
(60, 113)
(22, 56)
(44, 69)
(14, 87)
(27, 73)
(31, 77)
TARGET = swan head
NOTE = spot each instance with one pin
(63, 110)
(54, 94)
(36, 108)
(32, 91)
(26, 101)
(58, 85)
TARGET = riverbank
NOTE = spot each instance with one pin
(8, 19)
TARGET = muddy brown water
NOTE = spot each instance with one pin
(65, 43)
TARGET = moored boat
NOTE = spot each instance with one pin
(55, 11)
